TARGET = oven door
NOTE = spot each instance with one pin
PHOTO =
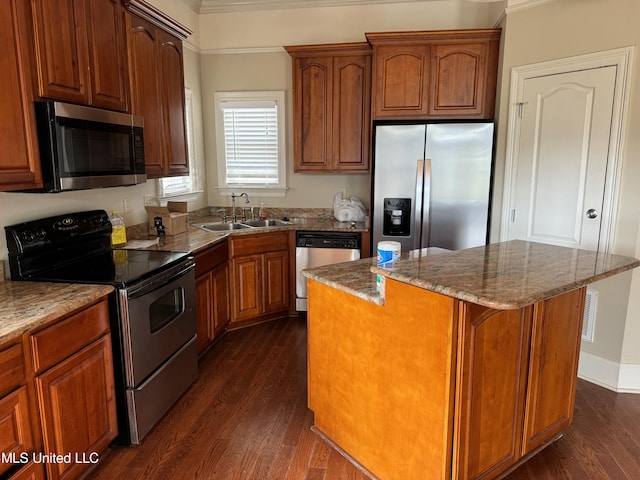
(157, 318)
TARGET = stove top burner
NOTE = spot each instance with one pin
(119, 267)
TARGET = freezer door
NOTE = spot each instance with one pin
(461, 157)
(397, 176)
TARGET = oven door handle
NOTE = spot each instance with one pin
(159, 281)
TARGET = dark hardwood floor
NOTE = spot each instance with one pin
(246, 418)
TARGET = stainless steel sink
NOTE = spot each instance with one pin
(267, 223)
(220, 226)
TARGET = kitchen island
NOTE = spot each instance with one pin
(463, 367)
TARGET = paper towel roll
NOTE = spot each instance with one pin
(388, 252)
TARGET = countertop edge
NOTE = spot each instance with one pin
(22, 312)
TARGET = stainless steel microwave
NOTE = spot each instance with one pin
(84, 147)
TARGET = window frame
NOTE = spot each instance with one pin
(277, 96)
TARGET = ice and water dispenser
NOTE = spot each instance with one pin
(397, 212)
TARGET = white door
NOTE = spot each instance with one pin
(561, 157)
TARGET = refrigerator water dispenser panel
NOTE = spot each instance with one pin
(397, 212)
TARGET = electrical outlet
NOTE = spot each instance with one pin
(343, 191)
(126, 205)
(150, 201)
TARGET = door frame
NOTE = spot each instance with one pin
(622, 59)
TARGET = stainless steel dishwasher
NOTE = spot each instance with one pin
(315, 249)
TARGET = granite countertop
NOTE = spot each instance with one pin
(507, 275)
(196, 239)
(28, 305)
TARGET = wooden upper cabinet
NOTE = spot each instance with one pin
(20, 159)
(80, 52)
(434, 75)
(107, 54)
(401, 80)
(331, 105)
(156, 74)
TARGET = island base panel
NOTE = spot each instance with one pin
(381, 378)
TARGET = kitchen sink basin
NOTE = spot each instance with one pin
(267, 223)
(221, 227)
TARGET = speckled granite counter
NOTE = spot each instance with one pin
(28, 305)
(504, 276)
(197, 239)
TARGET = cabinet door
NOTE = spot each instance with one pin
(146, 90)
(32, 471)
(76, 400)
(401, 81)
(247, 287)
(351, 112)
(60, 33)
(20, 159)
(15, 428)
(204, 312)
(553, 370)
(492, 351)
(107, 54)
(172, 73)
(460, 80)
(312, 114)
(220, 287)
(276, 281)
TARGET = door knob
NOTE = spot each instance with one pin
(592, 213)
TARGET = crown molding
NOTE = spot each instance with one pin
(227, 6)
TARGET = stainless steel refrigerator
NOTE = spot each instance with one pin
(431, 184)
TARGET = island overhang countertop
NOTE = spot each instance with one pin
(506, 275)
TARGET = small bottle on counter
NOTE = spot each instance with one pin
(262, 213)
(118, 230)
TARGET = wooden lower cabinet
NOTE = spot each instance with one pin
(457, 390)
(555, 350)
(75, 389)
(212, 294)
(519, 372)
(16, 435)
(260, 273)
(31, 471)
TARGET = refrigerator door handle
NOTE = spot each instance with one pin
(426, 204)
(417, 219)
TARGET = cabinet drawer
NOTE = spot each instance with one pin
(256, 244)
(11, 368)
(57, 342)
(211, 258)
(15, 430)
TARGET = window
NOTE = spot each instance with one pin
(188, 184)
(250, 140)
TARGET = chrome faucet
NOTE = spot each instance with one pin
(234, 217)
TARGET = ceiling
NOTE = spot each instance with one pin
(222, 6)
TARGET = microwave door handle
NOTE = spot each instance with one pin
(426, 204)
(417, 219)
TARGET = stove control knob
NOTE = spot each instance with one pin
(28, 236)
(41, 233)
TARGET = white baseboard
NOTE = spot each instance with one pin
(619, 377)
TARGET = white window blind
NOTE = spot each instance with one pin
(251, 142)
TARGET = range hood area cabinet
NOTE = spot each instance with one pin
(122, 55)
(331, 107)
(156, 77)
(444, 74)
(80, 52)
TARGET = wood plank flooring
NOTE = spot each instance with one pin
(246, 418)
